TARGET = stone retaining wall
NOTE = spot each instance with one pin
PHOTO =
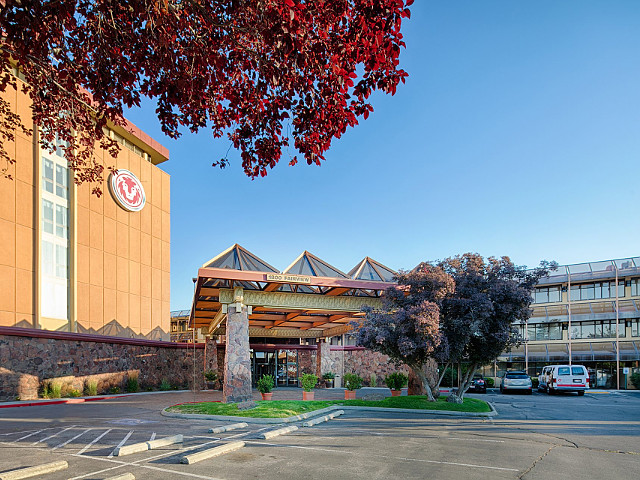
(29, 358)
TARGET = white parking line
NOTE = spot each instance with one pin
(153, 435)
(54, 435)
(94, 441)
(72, 439)
(30, 435)
(122, 442)
(345, 452)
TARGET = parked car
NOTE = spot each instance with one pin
(563, 378)
(516, 380)
(478, 384)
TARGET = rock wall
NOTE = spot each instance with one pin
(28, 361)
(363, 362)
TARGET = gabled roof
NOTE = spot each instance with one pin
(309, 264)
(238, 258)
(369, 269)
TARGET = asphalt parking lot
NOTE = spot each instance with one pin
(533, 437)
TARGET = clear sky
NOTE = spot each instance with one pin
(517, 133)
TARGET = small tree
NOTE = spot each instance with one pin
(477, 319)
(407, 329)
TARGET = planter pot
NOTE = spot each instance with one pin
(396, 393)
(307, 395)
(329, 383)
(211, 385)
(349, 394)
(267, 396)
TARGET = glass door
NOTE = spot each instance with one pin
(287, 372)
(262, 363)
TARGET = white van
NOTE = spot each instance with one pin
(564, 378)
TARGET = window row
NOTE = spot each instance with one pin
(593, 291)
(597, 329)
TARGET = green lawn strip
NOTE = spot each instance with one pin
(289, 408)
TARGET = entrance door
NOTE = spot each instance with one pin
(262, 363)
(287, 368)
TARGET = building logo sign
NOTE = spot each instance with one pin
(277, 277)
(127, 190)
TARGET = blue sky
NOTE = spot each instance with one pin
(517, 133)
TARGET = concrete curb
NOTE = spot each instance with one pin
(37, 403)
(278, 432)
(211, 452)
(228, 428)
(29, 472)
(322, 411)
(326, 418)
(124, 476)
(296, 418)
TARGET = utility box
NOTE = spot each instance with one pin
(337, 382)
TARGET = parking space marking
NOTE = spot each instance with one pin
(93, 442)
(345, 452)
(122, 442)
(153, 436)
(71, 439)
(54, 435)
(31, 435)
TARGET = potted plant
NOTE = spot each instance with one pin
(396, 382)
(308, 382)
(352, 382)
(210, 377)
(265, 385)
(328, 378)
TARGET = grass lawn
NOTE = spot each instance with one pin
(288, 408)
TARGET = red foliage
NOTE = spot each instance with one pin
(265, 72)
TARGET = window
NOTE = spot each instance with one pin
(54, 246)
(577, 371)
(635, 287)
(598, 290)
(597, 329)
(635, 327)
(564, 371)
(547, 295)
(544, 331)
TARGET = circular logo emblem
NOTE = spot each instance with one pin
(127, 190)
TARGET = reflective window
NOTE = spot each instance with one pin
(547, 294)
(635, 287)
(597, 329)
(47, 175)
(47, 216)
(592, 291)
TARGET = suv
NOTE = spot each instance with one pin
(564, 378)
(478, 384)
(516, 380)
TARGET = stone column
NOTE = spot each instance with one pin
(325, 359)
(319, 358)
(237, 360)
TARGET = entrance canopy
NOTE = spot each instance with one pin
(310, 298)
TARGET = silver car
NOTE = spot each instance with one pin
(516, 380)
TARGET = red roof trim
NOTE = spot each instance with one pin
(85, 337)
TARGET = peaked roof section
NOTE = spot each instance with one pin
(369, 269)
(309, 264)
(238, 258)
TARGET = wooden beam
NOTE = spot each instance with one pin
(337, 291)
(315, 325)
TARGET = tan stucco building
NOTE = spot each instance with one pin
(72, 261)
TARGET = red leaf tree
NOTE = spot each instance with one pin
(267, 73)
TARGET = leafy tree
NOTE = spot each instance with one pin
(477, 318)
(265, 72)
(407, 328)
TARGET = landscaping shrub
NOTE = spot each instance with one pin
(308, 381)
(490, 382)
(635, 378)
(352, 381)
(265, 383)
(396, 381)
(165, 385)
(90, 388)
(132, 383)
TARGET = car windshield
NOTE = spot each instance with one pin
(517, 375)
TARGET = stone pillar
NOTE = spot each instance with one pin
(325, 359)
(319, 352)
(237, 360)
